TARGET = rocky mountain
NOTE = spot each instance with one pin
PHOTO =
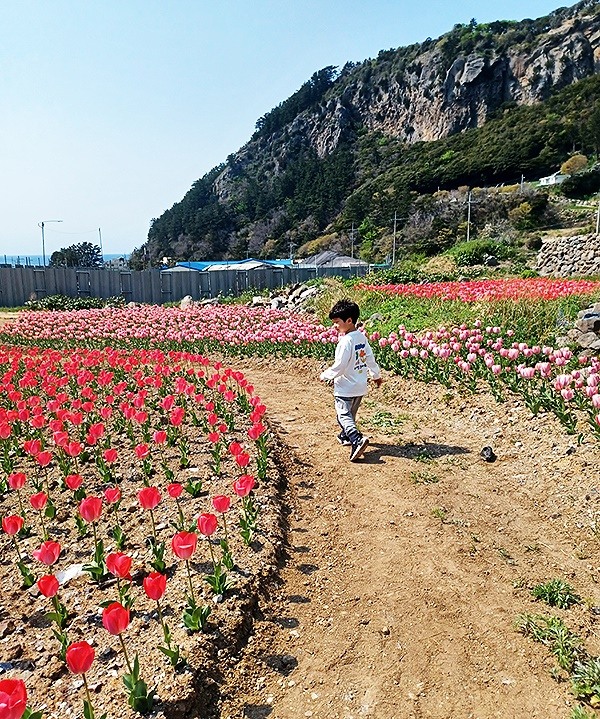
(344, 130)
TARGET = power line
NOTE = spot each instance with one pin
(84, 232)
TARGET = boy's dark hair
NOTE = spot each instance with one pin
(345, 310)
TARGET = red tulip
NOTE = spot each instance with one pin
(242, 459)
(48, 553)
(214, 437)
(149, 497)
(61, 438)
(142, 451)
(12, 524)
(175, 489)
(115, 618)
(38, 501)
(244, 485)
(235, 448)
(119, 565)
(48, 585)
(13, 698)
(207, 524)
(17, 480)
(96, 430)
(183, 544)
(74, 481)
(110, 455)
(221, 503)
(160, 436)
(73, 449)
(255, 431)
(112, 495)
(90, 508)
(32, 446)
(167, 402)
(155, 585)
(5, 430)
(141, 417)
(37, 421)
(176, 416)
(44, 458)
(79, 657)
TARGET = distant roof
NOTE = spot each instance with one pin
(329, 258)
(248, 263)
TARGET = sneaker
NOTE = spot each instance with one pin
(358, 448)
(343, 440)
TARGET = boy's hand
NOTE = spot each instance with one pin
(378, 381)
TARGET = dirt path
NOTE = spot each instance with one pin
(405, 571)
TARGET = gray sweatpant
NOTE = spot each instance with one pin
(346, 409)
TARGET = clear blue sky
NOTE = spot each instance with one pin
(111, 109)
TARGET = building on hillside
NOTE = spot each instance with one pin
(331, 259)
(555, 179)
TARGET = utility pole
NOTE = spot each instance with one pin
(522, 181)
(598, 219)
(394, 241)
(100, 240)
(41, 224)
(469, 216)
(352, 241)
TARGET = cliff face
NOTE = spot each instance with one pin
(418, 94)
(432, 99)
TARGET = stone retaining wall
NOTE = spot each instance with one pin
(567, 256)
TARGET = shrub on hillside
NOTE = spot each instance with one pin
(582, 184)
(474, 252)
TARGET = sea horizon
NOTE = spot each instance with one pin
(38, 260)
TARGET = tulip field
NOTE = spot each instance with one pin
(134, 491)
(138, 496)
(474, 355)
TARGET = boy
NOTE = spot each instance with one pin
(353, 359)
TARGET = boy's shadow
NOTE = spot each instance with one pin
(376, 451)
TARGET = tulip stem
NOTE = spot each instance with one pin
(95, 535)
(187, 564)
(153, 526)
(125, 654)
(87, 691)
(225, 529)
(181, 520)
(212, 555)
(162, 623)
(21, 503)
(17, 548)
(44, 532)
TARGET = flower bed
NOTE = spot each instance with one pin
(492, 290)
(256, 330)
(547, 378)
(139, 516)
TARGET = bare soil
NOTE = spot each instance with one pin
(7, 316)
(28, 649)
(405, 571)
